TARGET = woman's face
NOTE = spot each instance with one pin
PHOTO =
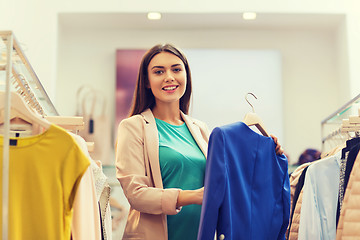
(167, 78)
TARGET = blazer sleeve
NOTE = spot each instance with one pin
(285, 199)
(215, 184)
(131, 171)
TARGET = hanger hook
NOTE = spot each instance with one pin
(248, 100)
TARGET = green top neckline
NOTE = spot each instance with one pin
(169, 124)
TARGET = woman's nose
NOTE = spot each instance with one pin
(169, 77)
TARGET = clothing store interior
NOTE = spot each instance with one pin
(68, 78)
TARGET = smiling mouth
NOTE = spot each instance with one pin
(171, 88)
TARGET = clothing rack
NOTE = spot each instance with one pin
(344, 120)
(69, 123)
(5, 164)
(24, 78)
(26, 83)
(22, 88)
(17, 75)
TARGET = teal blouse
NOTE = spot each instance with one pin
(182, 166)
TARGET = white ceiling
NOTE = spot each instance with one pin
(264, 21)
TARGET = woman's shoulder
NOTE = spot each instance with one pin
(134, 118)
(133, 121)
(138, 119)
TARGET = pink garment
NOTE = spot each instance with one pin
(108, 223)
(86, 216)
(86, 223)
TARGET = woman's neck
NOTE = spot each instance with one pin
(168, 114)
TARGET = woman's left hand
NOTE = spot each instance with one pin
(278, 147)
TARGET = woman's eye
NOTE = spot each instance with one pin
(158, 72)
(177, 69)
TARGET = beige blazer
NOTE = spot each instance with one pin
(349, 221)
(294, 179)
(138, 171)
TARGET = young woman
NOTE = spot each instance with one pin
(161, 151)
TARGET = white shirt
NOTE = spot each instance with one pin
(319, 200)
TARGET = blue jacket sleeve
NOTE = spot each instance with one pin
(286, 201)
(214, 185)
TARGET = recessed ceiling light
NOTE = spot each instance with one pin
(154, 15)
(249, 15)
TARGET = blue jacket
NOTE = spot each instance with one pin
(247, 189)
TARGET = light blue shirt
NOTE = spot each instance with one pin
(319, 200)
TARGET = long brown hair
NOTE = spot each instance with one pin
(143, 97)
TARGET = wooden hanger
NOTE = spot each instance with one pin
(252, 118)
(21, 113)
(67, 122)
(350, 125)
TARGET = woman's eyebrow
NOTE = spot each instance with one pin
(157, 67)
(174, 65)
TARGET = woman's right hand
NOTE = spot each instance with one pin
(278, 148)
(187, 197)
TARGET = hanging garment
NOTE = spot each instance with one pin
(294, 180)
(90, 221)
(297, 201)
(44, 175)
(86, 223)
(105, 214)
(332, 152)
(101, 180)
(341, 188)
(247, 191)
(346, 168)
(108, 224)
(349, 221)
(295, 218)
(86, 219)
(296, 184)
(319, 200)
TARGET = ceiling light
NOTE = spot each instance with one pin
(154, 15)
(249, 15)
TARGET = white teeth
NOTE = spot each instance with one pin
(169, 88)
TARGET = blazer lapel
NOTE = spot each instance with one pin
(152, 146)
(196, 133)
(152, 142)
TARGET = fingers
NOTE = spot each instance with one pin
(274, 138)
(278, 148)
(279, 151)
